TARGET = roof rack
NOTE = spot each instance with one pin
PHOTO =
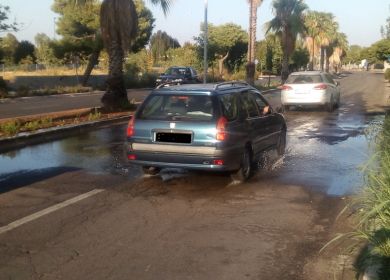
(231, 83)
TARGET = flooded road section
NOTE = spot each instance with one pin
(324, 152)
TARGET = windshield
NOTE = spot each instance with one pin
(304, 79)
(177, 107)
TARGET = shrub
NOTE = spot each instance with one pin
(31, 126)
(387, 74)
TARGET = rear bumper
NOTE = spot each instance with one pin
(179, 156)
(313, 98)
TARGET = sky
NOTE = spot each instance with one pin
(359, 19)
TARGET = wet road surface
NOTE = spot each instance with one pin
(24, 106)
(186, 225)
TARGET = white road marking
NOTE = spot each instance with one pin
(49, 210)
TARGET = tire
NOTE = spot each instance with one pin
(281, 145)
(246, 167)
(150, 170)
(330, 106)
(338, 102)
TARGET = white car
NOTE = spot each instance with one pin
(310, 88)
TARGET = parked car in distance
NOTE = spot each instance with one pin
(310, 88)
(215, 127)
(178, 75)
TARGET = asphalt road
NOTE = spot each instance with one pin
(24, 106)
(185, 225)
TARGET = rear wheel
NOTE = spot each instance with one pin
(338, 102)
(246, 167)
(150, 170)
(281, 145)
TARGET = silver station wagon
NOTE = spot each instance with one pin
(215, 127)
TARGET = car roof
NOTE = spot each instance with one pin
(211, 88)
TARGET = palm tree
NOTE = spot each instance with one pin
(118, 24)
(328, 32)
(250, 69)
(288, 23)
(336, 49)
(312, 23)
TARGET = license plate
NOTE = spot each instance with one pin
(165, 137)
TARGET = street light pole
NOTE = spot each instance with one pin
(205, 64)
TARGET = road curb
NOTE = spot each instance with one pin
(45, 135)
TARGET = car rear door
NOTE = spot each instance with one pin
(255, 122)
(271, 122)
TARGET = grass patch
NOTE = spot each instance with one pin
(10, 128)
(95, 115)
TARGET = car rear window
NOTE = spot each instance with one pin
(177, 107)
(304, 79)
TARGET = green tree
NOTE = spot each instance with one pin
(287, 24)
(226, 42)
(381, 50)
(79, 26)
(9, 44)
(385, 30)
(160, 43)
(300, 58)
(186, 55)
(353, 54)
(118, 23)
(250, 68)
(269, 53)
(24, 50)
(44, 52)
(5, 26)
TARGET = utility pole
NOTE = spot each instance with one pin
(205, 64)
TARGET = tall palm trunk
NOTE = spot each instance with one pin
(312, 55)
(286, 58)
(251, 66)
(116, 94)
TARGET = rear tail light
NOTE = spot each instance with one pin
(130, 127)
(218, 162)
(131, 157)
(221, 129)
(321, 87)
(284, 87)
